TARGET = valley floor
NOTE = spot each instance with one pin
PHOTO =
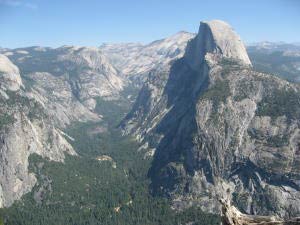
(106, 184)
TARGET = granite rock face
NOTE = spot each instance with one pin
(25, 128)
(96, 76)
(20, 139)
(56, 94)
(9, 75)
(220, 129)
(68, 80)
(218, 38)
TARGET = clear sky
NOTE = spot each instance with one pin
(92, 22)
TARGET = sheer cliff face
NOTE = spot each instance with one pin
(220, 129)
(25, 128)
(218, 38)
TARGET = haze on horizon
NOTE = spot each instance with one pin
(91, 23)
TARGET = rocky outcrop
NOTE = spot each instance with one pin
(25, 128)
(56, 94)
(9, 75)
(96, 76)
(221, 129)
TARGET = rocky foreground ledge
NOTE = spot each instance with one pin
(232, 216)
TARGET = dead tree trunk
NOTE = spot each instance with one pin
(232, 216)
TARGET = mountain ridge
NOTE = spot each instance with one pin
(136, 60)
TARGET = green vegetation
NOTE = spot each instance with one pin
(280, 102)
(241, 199)
(115, 110)
(245, 88)
(84, 190)
(33, 109)
(229, 64)
(272, 141)
(218, 93)
(28, 83)
(278, 141)
(16, 99)
(5, 119)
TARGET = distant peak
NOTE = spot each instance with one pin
(216, 37)
(78, 48)
(183, 32)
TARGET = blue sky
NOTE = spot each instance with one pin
(92, 22)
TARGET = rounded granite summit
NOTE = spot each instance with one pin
(9, 75)
(6, 66)
(216, 37)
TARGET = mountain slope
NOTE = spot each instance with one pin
(136, 60)
(82, 72)
(25, 128)
(68, 80)
(220, 129)
(281, 59)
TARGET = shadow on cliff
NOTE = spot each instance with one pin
(172, 163)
